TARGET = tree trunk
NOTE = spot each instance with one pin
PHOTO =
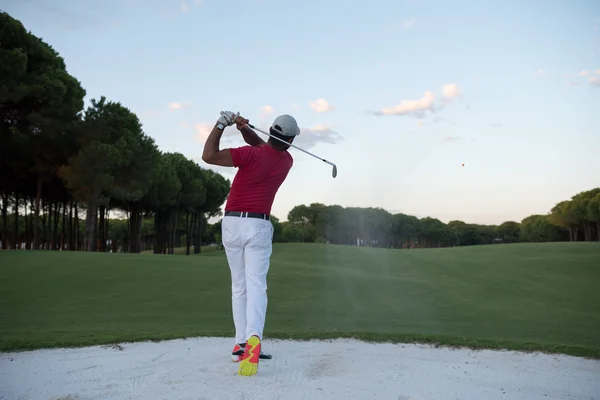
(5, 245)
(195, 233)
(106, 224)
(102, 229)
(135, 228)
(36, 217)
(570, 234)
(70, 230)
(156, 233)
(198, 242)
(28, 225)
(174, 234)
(89, 241)
(165, 226)
(55, 227)
(167, 232)
(187, 233)
(76, 231)
(16, 238)
(46, 222)
(63, 230)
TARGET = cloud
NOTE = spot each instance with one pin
(309, 137)
(178, 106)
(266, 110)
(418, 108)
(321, 105)
(592, 80)
(202, 130)
(451, 92)
(539, 72)
(407, 24)
(451, 139)
(411, 107)
(497, 125)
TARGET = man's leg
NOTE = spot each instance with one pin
(257, 256)
(235, 257)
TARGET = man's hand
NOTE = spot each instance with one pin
(248, 134)
(241, 123)
(212, 154)
(228, 118)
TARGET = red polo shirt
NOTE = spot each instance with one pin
(261, 171)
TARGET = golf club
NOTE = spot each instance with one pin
(333, 172)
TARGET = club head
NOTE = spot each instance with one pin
(334, 172)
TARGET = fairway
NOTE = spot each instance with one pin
(519, 296)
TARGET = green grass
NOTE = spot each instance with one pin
(522, 297)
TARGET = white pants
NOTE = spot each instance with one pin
(248, 244)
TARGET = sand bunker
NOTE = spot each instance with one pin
(201, 368)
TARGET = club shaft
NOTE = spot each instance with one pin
(290, 144)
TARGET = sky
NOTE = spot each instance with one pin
(466, 110)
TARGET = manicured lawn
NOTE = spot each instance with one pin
(522, 296)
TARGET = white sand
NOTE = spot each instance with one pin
(342, 369)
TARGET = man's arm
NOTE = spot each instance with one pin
(212, 154)
(250, 136)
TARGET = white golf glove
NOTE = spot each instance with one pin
(228, 118)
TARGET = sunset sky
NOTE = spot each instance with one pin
(399, 94)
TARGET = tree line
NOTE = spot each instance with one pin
(577, 219)
(61, 163)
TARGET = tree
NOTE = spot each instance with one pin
(435, 233)
(58, 161)
(405, 230)
(302, 217)
(562, 215)
(538, 228)
(593, 213)
(510, 232)
(161, 198)
(579, 205)
(112, 167)
(39, 100)
(217, 189)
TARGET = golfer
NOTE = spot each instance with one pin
(247, 231)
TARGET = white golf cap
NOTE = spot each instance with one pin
(286, 125)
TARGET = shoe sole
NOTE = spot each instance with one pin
(237, 359)
(249, 365)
